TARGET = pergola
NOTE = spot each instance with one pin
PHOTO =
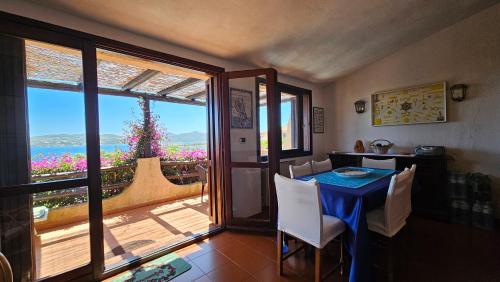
(59, 68)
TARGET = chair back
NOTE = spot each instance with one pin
(408, 207)
(300, 170)
(325, 165)
(398, 201)
(5, 270)
(382, 164)
(202, 173)
(299, 208)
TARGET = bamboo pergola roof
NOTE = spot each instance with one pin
(54, 67)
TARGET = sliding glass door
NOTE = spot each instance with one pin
(68, 206)
(154, 156)
(45, 155)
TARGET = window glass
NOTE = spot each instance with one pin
(294, 120)
(289, 121)
(56, 112)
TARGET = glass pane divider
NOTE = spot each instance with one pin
(32, 188)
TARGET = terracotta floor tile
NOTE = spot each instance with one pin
(270, 274)
(195, 250)
(210, 261)
(260, 244)
(245, 257)
(220, 240)
(229, 272)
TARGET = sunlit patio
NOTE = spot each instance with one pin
(126, 235)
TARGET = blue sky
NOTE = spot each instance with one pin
(62, 112)
(285, 115)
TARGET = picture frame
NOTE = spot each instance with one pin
(419, 104)
(318, 120)
(241, 108)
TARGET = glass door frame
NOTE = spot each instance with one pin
(273, 146)
(12, 26)
(27, 28)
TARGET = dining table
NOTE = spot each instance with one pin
(349, 199)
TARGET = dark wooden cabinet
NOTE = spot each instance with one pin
(430, 179)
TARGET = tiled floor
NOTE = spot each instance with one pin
(232, 256)
(425, 250)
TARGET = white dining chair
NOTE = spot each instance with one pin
(300, 215)
(321, 166)
(5, 269)
(390, 218)
(382, 164)
(300, 170)
(413, 169)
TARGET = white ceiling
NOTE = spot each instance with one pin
(314, 40)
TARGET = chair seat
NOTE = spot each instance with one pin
(376, 223)
(332, 227)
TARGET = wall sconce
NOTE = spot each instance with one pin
(359, 106)
(458, 92)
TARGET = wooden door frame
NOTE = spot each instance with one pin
(28, 28)
(274, 137)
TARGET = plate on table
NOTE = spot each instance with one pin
(352, 172)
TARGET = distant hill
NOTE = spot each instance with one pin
(63, 140)
(194, 137)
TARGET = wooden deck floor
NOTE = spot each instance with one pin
(126, 235)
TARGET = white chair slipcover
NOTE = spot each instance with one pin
(321, 166)
(390, 218)
(300, 170)
(382, 164)
(300, 213)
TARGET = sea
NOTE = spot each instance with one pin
(39, 152)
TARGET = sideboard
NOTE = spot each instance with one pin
(429, 198)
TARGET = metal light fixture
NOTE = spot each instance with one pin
(457, 92)
(359, 106)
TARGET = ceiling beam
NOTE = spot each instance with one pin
(197, 95)
(138, 80)
(113, 92)
(183, 84)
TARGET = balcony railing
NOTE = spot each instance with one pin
(114, 180)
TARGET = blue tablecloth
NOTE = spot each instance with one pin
(351, 206)
(332, 178)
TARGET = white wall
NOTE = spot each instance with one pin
(32, 10)
(467, 52)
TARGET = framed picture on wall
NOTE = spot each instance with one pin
(318, 120)
(241, 108)
(410, 105)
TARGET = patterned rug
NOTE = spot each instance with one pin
(164, 268)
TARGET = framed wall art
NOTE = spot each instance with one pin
(241, 108)
(410, 105)
(318, 120)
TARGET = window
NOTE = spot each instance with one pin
(295, 117)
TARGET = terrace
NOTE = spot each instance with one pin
(142, 213)
(126, 235)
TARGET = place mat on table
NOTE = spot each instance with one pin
(331, 178)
